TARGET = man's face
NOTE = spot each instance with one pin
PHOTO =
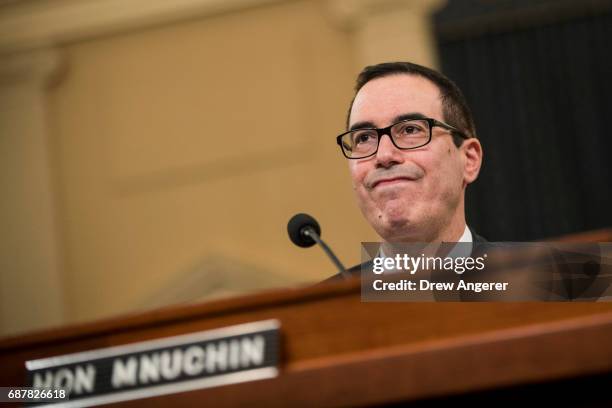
(407, 195)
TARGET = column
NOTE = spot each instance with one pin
(31, 293)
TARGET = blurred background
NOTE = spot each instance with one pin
(152, 152)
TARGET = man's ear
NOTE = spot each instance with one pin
(472, 159)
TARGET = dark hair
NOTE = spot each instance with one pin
(454, 106)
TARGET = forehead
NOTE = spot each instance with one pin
(383, 99)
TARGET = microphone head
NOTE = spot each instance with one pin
(296, 226)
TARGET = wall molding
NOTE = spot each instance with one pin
(37, 68)
(32, 24)
(350, 14)
(388, 30)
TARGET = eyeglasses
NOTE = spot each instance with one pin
(405, 135)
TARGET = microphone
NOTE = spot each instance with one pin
(304, 231)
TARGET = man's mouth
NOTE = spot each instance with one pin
(380, 177)
(390, 181)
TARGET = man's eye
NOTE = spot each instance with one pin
(363, 138)
(411, 130)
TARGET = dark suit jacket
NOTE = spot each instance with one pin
(356, 270)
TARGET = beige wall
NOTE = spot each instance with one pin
(177, 153)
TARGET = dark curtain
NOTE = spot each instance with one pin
(541, 94)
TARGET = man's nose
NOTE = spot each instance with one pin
(387, 154)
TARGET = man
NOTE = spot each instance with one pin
(412, 150)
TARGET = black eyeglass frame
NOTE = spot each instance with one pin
(387, 131)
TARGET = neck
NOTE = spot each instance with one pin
(429, 248)
(452, 229)
(449, 229)
(453, 233)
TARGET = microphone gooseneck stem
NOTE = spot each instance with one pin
(310, 232)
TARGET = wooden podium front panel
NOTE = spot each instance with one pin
(337, 350)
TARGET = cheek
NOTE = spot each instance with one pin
(448, 176)
(443, 174)
(358, 173)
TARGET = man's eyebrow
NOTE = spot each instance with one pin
(361, 125)
(408, 116)
(399, 118)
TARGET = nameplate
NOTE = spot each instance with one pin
(212, 358)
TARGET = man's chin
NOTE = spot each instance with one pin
(395, 228)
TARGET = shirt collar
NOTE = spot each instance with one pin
(463, 250)
(467, 236)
